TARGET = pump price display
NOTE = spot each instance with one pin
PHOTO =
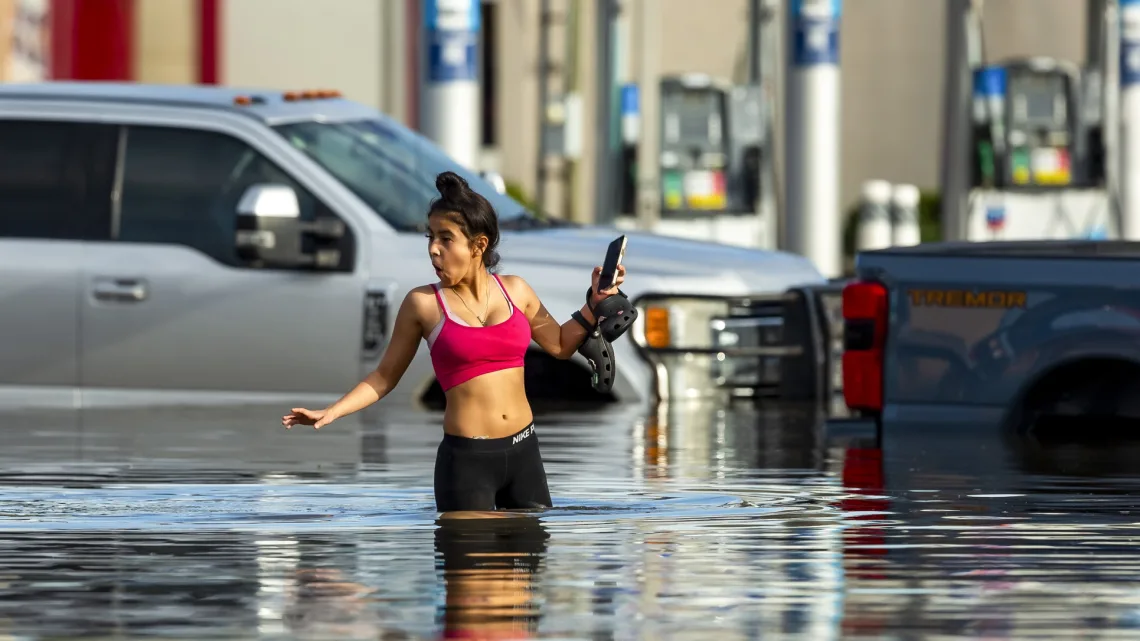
(705, 189)
(1041, 166)
(696, 189)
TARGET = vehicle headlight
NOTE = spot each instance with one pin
(735, 342)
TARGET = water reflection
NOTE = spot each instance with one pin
(122, 583)
(490, 568)
(693, 521)
(703, 439)
(326, 603)
(1066, 450)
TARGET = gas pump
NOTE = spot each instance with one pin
(1028, 126)
(1036, 150)
(1032, 173)
(694, 146)
(712, 146)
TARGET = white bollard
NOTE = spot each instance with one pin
(813, 224)
(904, 216)
(873, 227)
(451, 89)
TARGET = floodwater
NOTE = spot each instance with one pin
(700, 522)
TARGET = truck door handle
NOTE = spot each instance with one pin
(123, 290)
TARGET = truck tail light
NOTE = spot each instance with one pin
(865, 332)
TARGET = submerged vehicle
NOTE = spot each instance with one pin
(208, 246)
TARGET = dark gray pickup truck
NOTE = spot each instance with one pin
(996, 336)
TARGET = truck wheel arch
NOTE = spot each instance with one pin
(1062, 375)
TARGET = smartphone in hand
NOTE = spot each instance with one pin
(614, 255)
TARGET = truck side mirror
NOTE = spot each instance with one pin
(270, 232)
(496, 180)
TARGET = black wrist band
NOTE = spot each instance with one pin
(577, 315)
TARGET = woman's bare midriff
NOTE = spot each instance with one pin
(493, 405)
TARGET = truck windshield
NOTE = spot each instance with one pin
(389, 167)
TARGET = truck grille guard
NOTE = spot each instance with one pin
(785, 346)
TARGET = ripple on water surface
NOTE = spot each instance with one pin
(727, 525)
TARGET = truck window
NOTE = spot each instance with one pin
(51, 185)
(182, 186)
(389, 167)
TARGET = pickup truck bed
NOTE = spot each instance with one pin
(1005, 336)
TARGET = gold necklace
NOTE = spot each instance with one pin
(487, 295)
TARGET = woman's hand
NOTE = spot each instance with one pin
(302, 416)
(597, 296)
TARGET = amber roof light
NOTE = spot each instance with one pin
(244, 101)
(310, 94)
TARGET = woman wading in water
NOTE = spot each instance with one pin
(478, 326)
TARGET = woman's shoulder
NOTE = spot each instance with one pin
(423, 290)
(519, 290)
(420, 298)
(421, 304)
(514, 282)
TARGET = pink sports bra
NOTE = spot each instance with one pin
(460, 352)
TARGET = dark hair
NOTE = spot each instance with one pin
(468, 209)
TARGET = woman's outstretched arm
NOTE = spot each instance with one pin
(406, 336)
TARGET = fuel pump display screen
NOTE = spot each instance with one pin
(694, 148)
(1040, 139)
(692, 110)
(1039, 101)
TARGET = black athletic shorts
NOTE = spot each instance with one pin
(488, 473)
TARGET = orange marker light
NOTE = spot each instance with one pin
(657, 327)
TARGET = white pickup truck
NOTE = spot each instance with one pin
(129, 275)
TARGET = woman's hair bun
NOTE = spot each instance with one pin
(451, 185)
(470, 210)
